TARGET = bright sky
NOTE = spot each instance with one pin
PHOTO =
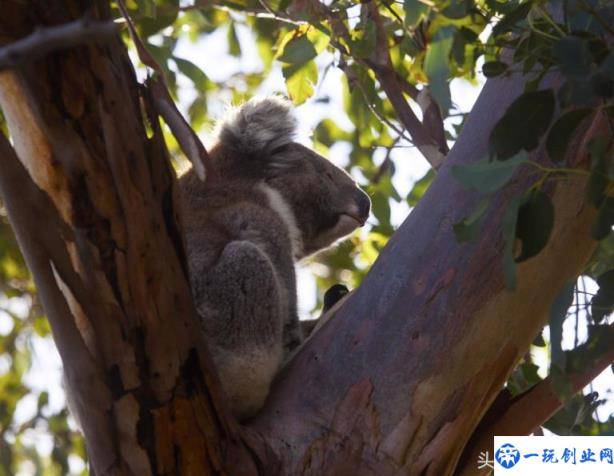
(212, 56)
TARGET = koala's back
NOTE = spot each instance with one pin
(242, 278)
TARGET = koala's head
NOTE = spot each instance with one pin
(319, 202)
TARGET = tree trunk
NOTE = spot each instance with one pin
(394, 383)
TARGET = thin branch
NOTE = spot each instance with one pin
(46, 40)
(383, 168)
(381, 63)
(189, 142)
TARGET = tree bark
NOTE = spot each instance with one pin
(99, 229)
(394, 383)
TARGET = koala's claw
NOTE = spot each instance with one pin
(333, 295)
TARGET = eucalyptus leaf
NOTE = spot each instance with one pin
(511, 19)
(300, 81)
(602, 303)
(493, 68)
(534, 224)
(487, 176)
(508, 227)
(437, 65)
(298, 50)
(415, 10)
(468, 229)
(534, 111)
(573, 56)
(598, 179)
(562, 131)
(602, 226)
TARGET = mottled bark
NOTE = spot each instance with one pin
(395, 382)
(101, 235)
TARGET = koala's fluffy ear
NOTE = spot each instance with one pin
(258, 127)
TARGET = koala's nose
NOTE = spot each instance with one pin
(364, 204)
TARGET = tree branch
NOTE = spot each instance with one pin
(189, 142)
(46, 40)
(523, 414)
(29, 211)
(433, 148)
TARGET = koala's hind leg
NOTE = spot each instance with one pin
(242, 309)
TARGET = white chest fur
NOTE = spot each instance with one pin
(280, 205)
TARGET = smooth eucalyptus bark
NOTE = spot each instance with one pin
(403, 372)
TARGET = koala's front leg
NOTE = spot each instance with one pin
(241, 305)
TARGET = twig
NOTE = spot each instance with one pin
(189, 142)
(383, 168)
(433, 151)
(45, 40)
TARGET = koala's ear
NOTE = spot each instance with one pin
(258, 127)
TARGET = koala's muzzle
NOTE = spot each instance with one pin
(359, 208)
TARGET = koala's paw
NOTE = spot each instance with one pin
(333, 295)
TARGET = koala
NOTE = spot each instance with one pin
(273, 203)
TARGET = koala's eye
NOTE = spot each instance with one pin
(280, 149)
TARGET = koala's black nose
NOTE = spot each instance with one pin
(364, 204)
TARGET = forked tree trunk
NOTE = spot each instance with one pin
(395, 383)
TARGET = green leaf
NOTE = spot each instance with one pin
(508, 226)
(469, 228)
(573, 56)
(381, 208)
(558, 313)
(488, 176)
(364, 45)
(196, 75)
(455, 9)
(534, 223)
(509, 21)
(598, 178)
(602, 226)
(602, 303)
(420, 188)
(166, 16)
(147, 8)
(415, 10)
(43, 400)
(539, 340)
(523, 124)
(561, 132)
(300, 81)
(298, 50)
(494, 68)
(197, 112)
(437, 66)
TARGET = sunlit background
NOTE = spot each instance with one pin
(211, 54)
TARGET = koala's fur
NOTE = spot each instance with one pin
(274, 203)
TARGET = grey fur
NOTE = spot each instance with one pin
(259, 126)
(244, 233)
